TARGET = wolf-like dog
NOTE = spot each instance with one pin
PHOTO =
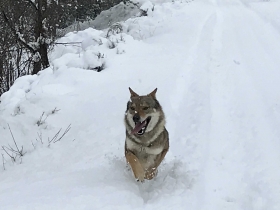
(147, 140)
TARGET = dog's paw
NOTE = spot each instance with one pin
(140, 178)
(151, 173)
(142, 181)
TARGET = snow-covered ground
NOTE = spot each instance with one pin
(216, 66)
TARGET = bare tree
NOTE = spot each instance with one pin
(29, 27)
(28, 22)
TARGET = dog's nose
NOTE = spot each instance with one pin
(136, 118)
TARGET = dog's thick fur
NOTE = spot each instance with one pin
(145, 149)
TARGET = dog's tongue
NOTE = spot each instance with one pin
(138, 127)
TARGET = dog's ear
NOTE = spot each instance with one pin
(153, 93)
(132, 93)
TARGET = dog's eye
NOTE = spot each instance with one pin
(145, 108)
(132, 108)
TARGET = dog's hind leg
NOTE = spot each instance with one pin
(136, 166)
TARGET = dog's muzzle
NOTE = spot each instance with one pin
(140, 127)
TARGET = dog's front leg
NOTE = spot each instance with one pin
(135, 165)
(152, 171)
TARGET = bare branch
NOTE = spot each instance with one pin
(33, 4)
(55, 110)
(65, 132)
(56, 138)
(3, 3)
(3, 159)
(13, 137)
(40, 137)
(33, 144)
(16, 33)
(12, 157)
(20, 152)
(41, 121)
(67, 43)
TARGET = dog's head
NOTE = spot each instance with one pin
(143, 112)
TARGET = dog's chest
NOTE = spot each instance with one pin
(136, 148)
(139, 150)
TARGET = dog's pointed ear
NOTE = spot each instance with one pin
(132, 93)
(153, 93)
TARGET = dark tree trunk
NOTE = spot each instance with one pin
(44, 55)
(39, 34)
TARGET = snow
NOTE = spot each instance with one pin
(147, 6)
(215, 64)
(118, 13)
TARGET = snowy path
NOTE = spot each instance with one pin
(242, 148)
(216, 65)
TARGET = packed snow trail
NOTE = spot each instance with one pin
(243, 147)
(215, 64)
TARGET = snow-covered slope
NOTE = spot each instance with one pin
(215, 64)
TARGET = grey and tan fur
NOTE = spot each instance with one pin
(145, 149)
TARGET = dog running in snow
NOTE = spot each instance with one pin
(147, 140)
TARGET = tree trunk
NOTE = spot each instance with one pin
(44, 55)
(36, 67)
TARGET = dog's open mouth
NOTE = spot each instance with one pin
(140, 127)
